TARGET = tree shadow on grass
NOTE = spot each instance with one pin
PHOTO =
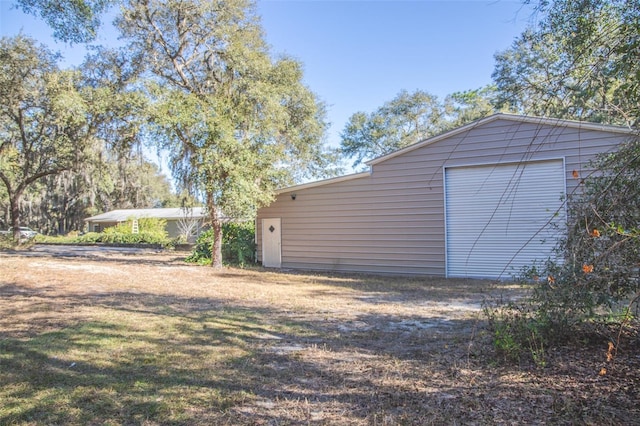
(114, 361)
(131, 358)
(112, 368)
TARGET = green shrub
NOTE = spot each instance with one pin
(201, 252)
(238, 245)
(150, 231)
(6, 242)
(595, 289)
(70, 238)
(89, 237)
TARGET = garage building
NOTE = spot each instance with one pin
(481, 201)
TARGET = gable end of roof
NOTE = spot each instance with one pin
(510, 117)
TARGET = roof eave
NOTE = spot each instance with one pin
(322, 182)
(122, 215)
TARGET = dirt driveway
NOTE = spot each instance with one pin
(86, 251)
(115, 337)
(409, 303)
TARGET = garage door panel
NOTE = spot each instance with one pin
(502, 217)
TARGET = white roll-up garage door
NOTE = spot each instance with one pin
(500, 218)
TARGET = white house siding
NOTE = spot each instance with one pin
(172, 216)
(392, 221)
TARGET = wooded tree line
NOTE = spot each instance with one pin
(69, 146)
(198, 80)
(58, 204)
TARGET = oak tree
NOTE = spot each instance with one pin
(72, 21)
(580, 61)
(406, 119)
(43, 127)
(236, 123)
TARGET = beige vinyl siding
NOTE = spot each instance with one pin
(392, 220)
(327, 227)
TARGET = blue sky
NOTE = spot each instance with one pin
(358, 54)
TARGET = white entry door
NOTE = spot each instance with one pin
(271, 242)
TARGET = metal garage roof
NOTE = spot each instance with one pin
(165, 213)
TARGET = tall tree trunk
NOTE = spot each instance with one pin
(216, 225)
(14, 208)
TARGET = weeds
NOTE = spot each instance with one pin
(519, 331)
(536, 348)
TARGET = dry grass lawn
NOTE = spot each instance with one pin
(148, 340)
